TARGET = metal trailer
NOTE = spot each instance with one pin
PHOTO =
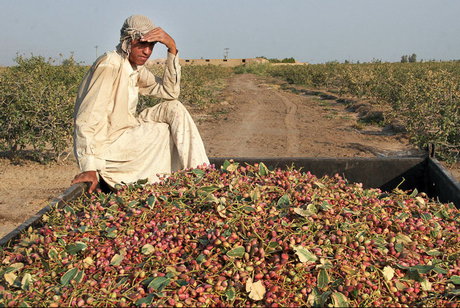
(423, 173)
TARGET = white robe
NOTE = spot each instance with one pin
(121, 147)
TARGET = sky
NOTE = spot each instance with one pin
(314, 31)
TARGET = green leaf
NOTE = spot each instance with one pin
(211, 198)
(325, 206)
(455, 279)
(69, 209)
(312, 208)
(111, 232)
(68, 276)
(319, 185)
(142, 181)
(116, 260)
(324, 297)
(79, 276)
(221, 210)
(25, 282)
(198, 172)
(339, 300)
(426, 216)
(400, 286)
(440, 270)
(73, 249)
(159, 283)
(414, 193)
(133, 203)
(323, 278)
(414, 275)
(230, 167)
(15, 267)
(122, 281)
(402, 238)
(302, 212)
(454, 292)
(305, 255)
(181, 282)
(423, 269)
(205, 190)
(145, 300)
(263, 170)
(255, 194)
(147, 249)
(200, 258)
(225, 164)
(230, 293)
(403, 216)
(403, 266)
(151, 201)
(82, 229)
(399, 247)
(314, 298)
(236, 252)
(284, 201)
(434, 252)
(249, 209)
(114, 207)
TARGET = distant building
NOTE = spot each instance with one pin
(222, 62)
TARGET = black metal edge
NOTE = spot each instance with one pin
(373, 172)
(69, 194)
(442, 183)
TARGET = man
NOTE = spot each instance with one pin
(109, 140)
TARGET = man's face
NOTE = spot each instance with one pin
(140, 52)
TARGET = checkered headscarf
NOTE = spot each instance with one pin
(133, 28)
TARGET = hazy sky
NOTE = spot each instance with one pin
(314, 31)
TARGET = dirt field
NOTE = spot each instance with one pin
(255, 118)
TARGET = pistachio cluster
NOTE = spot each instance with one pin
(241, 236)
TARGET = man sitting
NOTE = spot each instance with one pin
(109, 140)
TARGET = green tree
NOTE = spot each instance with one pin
(36, 106)
(288, 60)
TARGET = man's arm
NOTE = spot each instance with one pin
(95, 94)
(167, 87)
(159, 35)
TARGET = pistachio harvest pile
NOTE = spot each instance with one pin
(242, 236)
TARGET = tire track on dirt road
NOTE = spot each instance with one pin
(263, 120)
(258, 125)
(292, 140)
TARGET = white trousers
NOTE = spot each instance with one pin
(165, 141)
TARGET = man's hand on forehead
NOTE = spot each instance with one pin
(159, 35)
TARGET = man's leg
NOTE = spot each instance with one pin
(184, 132)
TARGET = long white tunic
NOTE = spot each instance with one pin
(121, 147)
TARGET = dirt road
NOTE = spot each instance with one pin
(254, 118)
(259, 119)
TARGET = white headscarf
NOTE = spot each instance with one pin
(134, 28)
